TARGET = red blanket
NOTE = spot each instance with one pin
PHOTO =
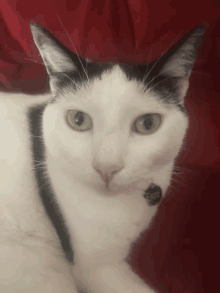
(182, 248)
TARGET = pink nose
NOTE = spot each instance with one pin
(107, 171)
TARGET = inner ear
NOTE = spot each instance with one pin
(169, 75)
(57, 58)
(181, 58)
(172, 85)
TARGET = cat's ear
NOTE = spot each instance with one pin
(54, 56)
(183, 55)
(170, 73)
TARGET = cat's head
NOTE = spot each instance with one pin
(118, 126)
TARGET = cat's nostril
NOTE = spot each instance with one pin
(107, 173)
(106, 177)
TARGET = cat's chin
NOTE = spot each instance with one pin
(115, 189)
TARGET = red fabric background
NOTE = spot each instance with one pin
(139, 31)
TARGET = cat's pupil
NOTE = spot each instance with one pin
(79, 118)
(148, 123)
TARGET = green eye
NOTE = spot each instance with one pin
(147, 124)
(78, 120)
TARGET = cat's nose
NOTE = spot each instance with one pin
(108, 171)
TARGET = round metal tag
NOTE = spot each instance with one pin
(153, 194)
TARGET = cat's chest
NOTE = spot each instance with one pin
(104, 230)
(100, 222)
(118, 217)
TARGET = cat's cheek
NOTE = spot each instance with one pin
(162, 177)
(164, 159)
(169, 151)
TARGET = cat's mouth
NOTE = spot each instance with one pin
(117, 186)
(152, 194)
(112, 188)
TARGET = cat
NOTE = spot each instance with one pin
(111, 133)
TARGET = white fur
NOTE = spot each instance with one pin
(63, 62)
(30, 255)
(104, 223)
(104, 220)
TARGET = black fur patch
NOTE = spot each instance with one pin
(165, 86)
(148, 74)
(46, 195)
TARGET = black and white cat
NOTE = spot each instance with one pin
(111, 133)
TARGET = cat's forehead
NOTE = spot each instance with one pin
(111, 88)
(111, 76)
(114, 82)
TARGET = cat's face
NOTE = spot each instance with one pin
(114, 132)
(112, 105)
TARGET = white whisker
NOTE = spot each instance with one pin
(151, 88)
(168, 48)
(152, 81)
(73, 81)
(73, 46)
(31, 60)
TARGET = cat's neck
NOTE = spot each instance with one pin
(97, 218)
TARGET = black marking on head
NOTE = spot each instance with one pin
(181, 108)
(150, 76)
(77, 78)
(161, 76)
(165, 76)
(135, 71)
(45, 193)
(167, 88)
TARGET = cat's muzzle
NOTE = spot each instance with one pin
(153, 194)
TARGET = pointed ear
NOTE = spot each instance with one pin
(54, 56)
(183, 55)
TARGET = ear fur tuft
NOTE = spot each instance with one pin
(54, 56)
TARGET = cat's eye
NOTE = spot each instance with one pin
(147, 123)
(78, 120)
